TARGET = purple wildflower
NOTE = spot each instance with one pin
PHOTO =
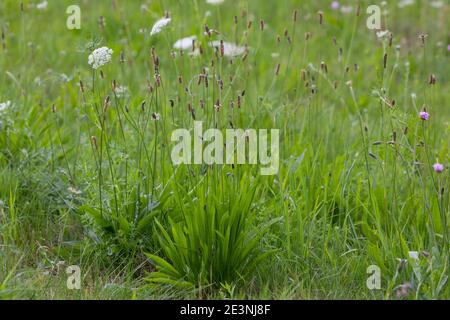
(424, 115)
(438, 167)
(335, 5)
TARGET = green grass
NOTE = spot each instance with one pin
(88, 180)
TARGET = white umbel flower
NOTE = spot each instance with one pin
(347, 9)
(100, 57)
(437, 4)
(229, 49)
(159, 25)
(185, 43)
(42, 5)
(405, 3)
(382, 34)
(4, 106)
(74, 191)
(215, 1)
(121, 92)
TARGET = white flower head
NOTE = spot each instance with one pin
(405, 3)
(121, 92)
(74, 191)
(229, 49)
(215, 1)
(382, 33)
(185, 43)
(346, 9)
(99, 57)
(437, 4)
(4, 106)
(42, 5)
(64, 77)
(156, 116)
(211, 32)
(159, 25)
(413, 255)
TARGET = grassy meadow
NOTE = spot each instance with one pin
(86, 176)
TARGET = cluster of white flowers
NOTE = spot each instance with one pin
(159, 25)
(437, 4)
(65, 78)
(74, 191)
(42, 5)
(215, 1)
(185, 43)
(121, 92)
(100, 57)
(346, 9)
(229, 49)
(383, 33)
(405, 3)
(4, 106)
